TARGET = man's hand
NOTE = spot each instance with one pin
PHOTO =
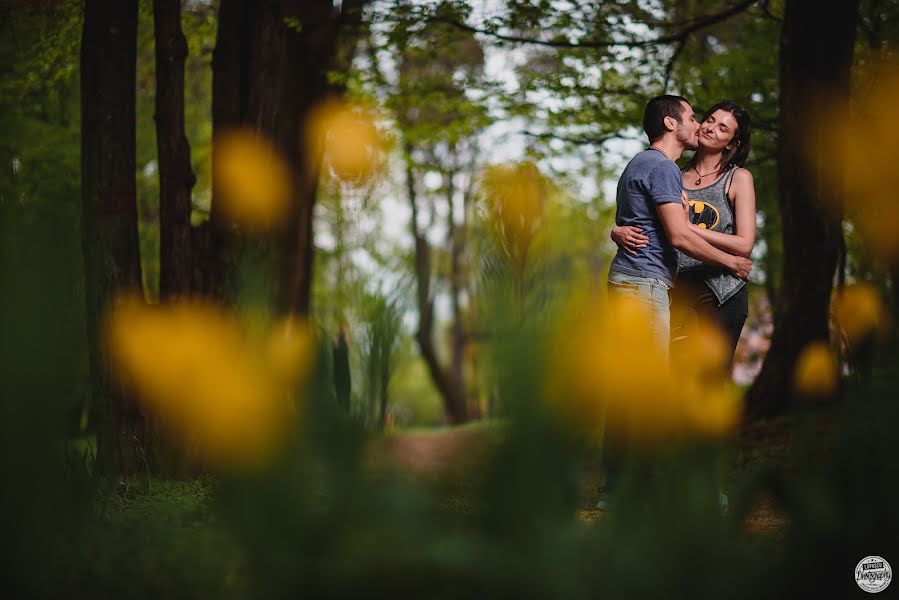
(741, 267)
(629, 238)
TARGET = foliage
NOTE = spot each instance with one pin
(319, 521)
(198, 22)
(383, 326)
(325, 518)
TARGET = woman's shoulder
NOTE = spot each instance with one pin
(740, 184)
(742, 175)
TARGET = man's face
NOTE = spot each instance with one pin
(688, 129)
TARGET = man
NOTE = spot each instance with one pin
(650, 197)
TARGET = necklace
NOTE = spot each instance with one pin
(699, 181)
(660, 150)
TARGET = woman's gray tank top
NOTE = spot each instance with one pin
(710, 208)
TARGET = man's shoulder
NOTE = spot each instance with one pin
(646, 162)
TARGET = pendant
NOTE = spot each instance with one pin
(698, 181)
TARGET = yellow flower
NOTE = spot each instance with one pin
(605, 369)
(703, 352)
(815, 373)
(712, 410)
(290, 350)
(192, 368)
(860, 312)
(516, 197)
(347, 136)
(252, 180)
(867, 145)
(711, 403)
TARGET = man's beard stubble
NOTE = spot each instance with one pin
(690, 142)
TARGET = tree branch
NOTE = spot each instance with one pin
(583, 141)
(669, 68)
(766, 10)
(678, 36)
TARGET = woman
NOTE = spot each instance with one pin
(721, 198)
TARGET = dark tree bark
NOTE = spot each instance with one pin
(269, 68)
(817, 43)
(340, 354)
(383, 395)
(457, 352)
(894, 279)
(452, 394)
(304, 84)
(176, 178)
(215, 243)
(109, 218)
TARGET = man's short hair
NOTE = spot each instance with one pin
(657, 109)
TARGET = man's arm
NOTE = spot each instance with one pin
(690, 243)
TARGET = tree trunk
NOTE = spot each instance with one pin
(304, 85)
(383, 397)
(270, 67)
(176, 178)
(215, 243)
(343, 382)
(457, 353)
(453, 400)
(894, 280)
(816, 56)
(109, 219)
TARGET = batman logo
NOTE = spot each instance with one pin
(703, 214)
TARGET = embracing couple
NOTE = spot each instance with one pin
(692, 228)
(695, 226)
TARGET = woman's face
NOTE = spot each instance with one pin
(717, 131)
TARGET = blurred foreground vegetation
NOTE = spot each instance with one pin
(273, 457)
(334, 515)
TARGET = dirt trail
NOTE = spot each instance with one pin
(458, 453)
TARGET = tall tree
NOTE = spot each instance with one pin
(438, 65)
(270, 68)
(817, 42)
(450, 387)
(109, 218)
(176, 178)
(214, 242)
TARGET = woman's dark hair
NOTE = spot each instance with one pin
(657, 109)
(741, 143)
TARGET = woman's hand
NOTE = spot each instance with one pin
(629, 238)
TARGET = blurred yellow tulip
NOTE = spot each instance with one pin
(699, 362)
(815, 373)
(251, 179)
(860, 312)
(712, 408)
(606, 369)
(347, 136)
(290, 350)
(191, 366)
(865, 163)
(703, 352)
(516, 196)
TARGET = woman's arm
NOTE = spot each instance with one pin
(742, 192)
(629, 238)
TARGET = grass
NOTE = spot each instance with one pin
(451, 456)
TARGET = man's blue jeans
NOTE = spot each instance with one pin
(654, 294)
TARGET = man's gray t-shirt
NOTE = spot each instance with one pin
(649, 179)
